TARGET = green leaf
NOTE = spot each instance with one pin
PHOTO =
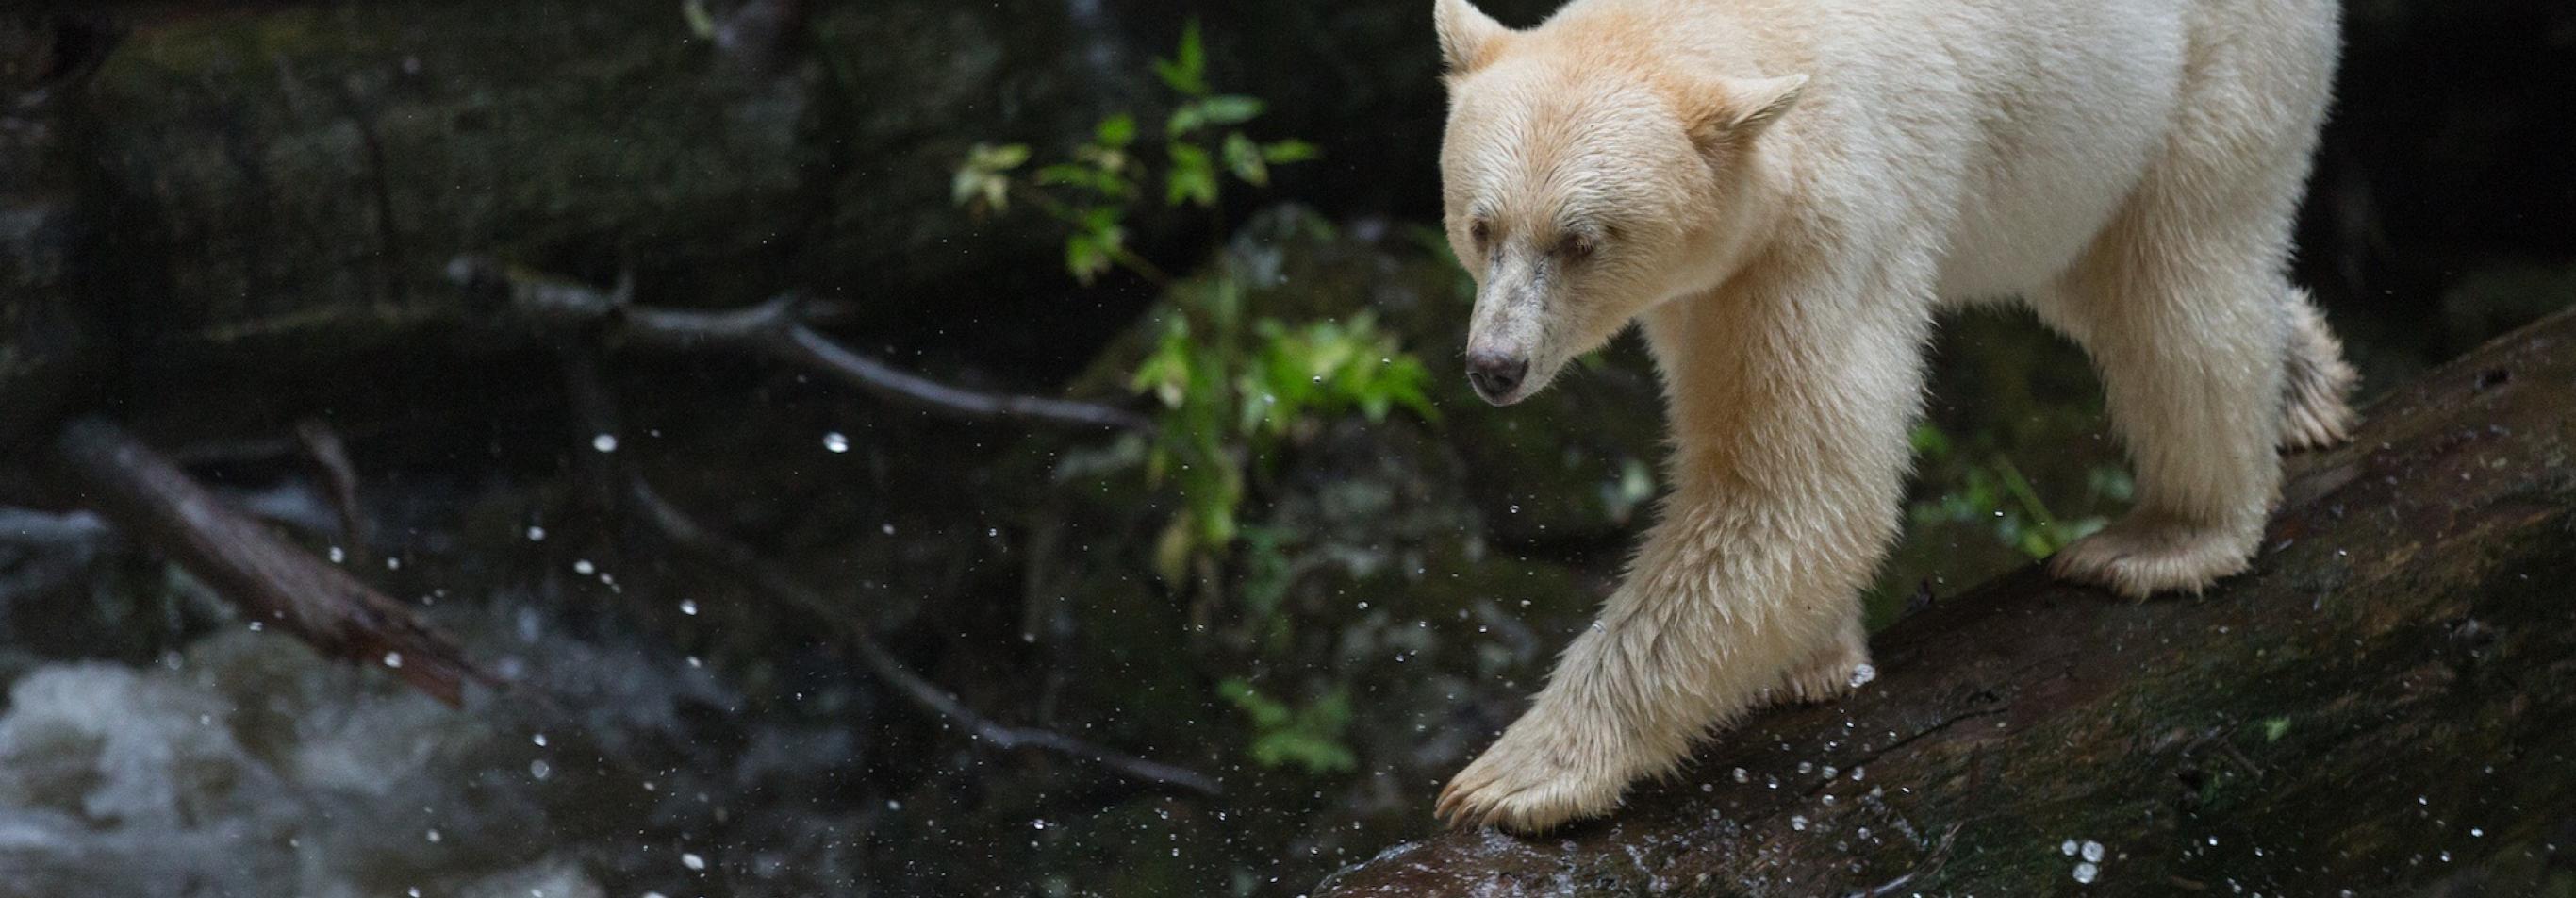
(701, 23)
(1288, 151)
(1243, 157)
(1230, 109)
(1192, 178)
(1116, 131)
(997, 158)
(1085, 256)
(1186, 72)
(983, 189)
(1184, 120)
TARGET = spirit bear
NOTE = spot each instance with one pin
(1783, 193)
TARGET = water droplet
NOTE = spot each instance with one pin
(539, 739)
(2092, 851)
(606, 442)
(888, 529)
(434, 836)
(836, 443)
(540, 769)
(337, 555)
(692, 861)
(1862, 675)
(2086, 872)
(1798, 822)
(689, 607)
(584, 567)
(536, 534)
(1741, 776)
(393, 659)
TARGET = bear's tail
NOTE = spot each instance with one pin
(2315, 413)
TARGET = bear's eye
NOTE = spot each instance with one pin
(1576, 247)
(1479, 231)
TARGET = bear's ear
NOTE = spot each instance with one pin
(1733, 111)
(1468, 37)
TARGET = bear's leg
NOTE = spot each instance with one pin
(1787, 491)
(1688, 642)
(2183, 311)
(1841, 666)
(2183, 303)
(2315, 411)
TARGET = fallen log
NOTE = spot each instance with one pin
(273, 581)
(2385, 705)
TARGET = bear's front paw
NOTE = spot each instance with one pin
(1544, 771)
(2144, 554)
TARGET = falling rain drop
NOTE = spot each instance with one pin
(606, 442)
(835, 443)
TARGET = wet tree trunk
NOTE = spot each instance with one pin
(2385, 705)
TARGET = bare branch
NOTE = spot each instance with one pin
(780, 328)
(330, 456)
(160, 506)
(686, 533)
(593, 404)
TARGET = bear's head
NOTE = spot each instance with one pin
(1586, 178)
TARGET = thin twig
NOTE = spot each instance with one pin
(143, 494)
(592, 404)
(330, 456)
(686, 533)
(780, 328)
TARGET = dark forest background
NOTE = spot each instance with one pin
(758, 620)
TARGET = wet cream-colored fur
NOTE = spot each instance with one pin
(1783, 193)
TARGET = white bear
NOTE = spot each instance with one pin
(1784, 193)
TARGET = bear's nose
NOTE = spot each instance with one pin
(1495, 375)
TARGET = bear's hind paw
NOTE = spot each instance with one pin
(2139, 556)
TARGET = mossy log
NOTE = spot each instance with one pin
(2385, 705)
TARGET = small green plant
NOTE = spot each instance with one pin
(1992, 493)
(1094, 191)
(1232, 389)
(1232, 384)
(1309, 737)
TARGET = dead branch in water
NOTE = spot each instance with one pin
(592, 403)
(273, 581)
(780, 329)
